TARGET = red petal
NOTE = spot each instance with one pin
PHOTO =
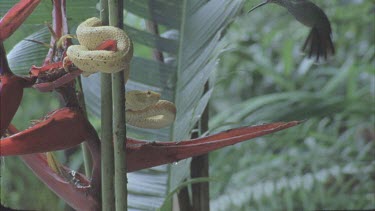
(63, 128)
(80, 198)
(142, 154)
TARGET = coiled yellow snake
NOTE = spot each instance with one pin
(143, 108)
(91, 34)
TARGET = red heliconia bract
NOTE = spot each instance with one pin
(79, 196)
(67, 127)
(142, 154)
(61, 129)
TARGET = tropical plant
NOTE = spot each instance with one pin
(253, 87)
(180, 78)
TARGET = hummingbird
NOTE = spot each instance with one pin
(319, 41)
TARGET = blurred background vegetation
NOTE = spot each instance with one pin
(328, 162)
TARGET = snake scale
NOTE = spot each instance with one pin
(143, 108)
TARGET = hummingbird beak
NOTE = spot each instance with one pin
(259, 5)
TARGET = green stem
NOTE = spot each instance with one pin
(107, 172)
(152, 27)
(115, 8)
(199, 168)
(87, 162)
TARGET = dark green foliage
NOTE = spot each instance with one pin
(327, 162)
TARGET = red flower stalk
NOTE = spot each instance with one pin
(59, 28)
(62, 129)
(80, 196)
(15, 17)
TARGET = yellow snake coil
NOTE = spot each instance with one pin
(143, 108)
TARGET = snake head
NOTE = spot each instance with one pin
(139, 100)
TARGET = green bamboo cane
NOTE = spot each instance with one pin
(115, 8)
(108, 197)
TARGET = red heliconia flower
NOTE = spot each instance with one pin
(140, 155)
(61, 129)
(77, 192)
(143, 154)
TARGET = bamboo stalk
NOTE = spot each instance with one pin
(115, 8)
(107, 172)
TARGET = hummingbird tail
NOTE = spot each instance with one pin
(319, 44)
